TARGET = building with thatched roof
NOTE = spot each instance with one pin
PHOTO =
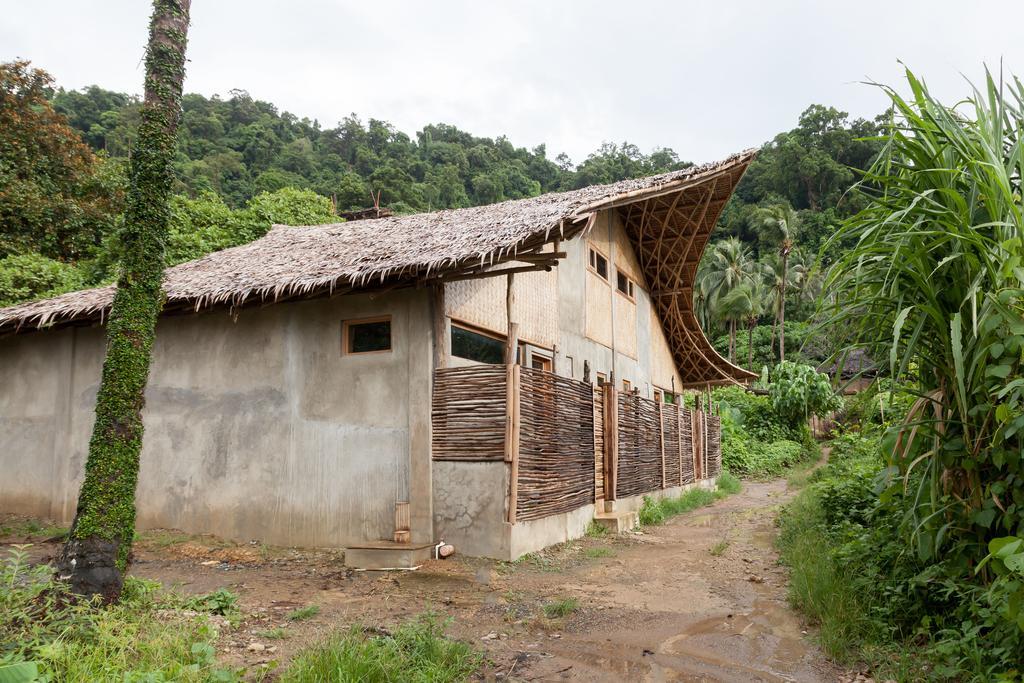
(349, 385)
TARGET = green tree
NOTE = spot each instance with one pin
(55, 197)
(780, 222)
(97, 553)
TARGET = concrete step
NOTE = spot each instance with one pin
(618, 522)
(388, 555)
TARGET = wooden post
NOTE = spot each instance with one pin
(442, 343)
(661, 441)
(512, 342)
(512, 438)
(402, 522)
(586, 371)
(611, 440)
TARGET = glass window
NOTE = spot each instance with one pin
(477, 347)
(367, 336)
(599, 263)
(624, 284)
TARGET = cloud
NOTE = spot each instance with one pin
(703, 78)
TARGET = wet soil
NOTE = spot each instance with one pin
(700, 598)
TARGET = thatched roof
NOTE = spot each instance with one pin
(292, 262)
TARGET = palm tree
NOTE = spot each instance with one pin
(727, 266)
(779, 221)
(758, 297)
(734, 307)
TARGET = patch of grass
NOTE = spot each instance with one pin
(417, 651)
(560, 608)
(31, 528)
(818, 586)
(64, 639)
(594, 553)
(719, 548)
(653, 512)
(274, 634)
(164, 538)
(595, 530)
(303, 613)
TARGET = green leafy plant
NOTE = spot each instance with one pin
(799, 391)
(303, 613)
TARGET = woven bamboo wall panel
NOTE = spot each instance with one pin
(468, 413)
(598, 443)
(714, 445)
(686, 436)
(639, 446)
(670, 434)
(556, 445)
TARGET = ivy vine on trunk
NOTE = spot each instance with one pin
(98, 550)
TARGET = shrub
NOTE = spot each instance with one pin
(799, 391)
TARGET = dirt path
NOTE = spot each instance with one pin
(700, 598)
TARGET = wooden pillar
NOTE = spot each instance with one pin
(512, 437)
(512, 341)
(611, 440)
(442, 343)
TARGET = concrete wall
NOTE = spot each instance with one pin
(255, 429)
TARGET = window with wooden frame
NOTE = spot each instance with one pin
(602, 379)
(624, 284)
(477, 345)
(658, 397)
(627, 386)
(598, 263)
(366, 335)
(539, 362)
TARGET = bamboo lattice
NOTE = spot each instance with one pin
(468, 413)
(714, 445)
(670, 435)
(598, 396)
(556, 446)
(686, 436)
(639, 446)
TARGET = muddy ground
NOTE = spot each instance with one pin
(700, 598)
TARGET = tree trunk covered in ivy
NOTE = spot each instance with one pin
(98, 551)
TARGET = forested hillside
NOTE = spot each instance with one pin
(242, 164)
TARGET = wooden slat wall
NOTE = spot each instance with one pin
(639, 446)
(670, 434)
(556, 445)
(686, 436)
(714, 445)
(468, 413)
(598, 443)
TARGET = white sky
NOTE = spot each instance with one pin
(704, 78)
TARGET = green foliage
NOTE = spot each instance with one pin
(799, 391)
(850, 571)
(221, 601)
(755, 440)
(65, 639)
(55, 197)
(560, 608)
(417, 652)
(935, 285)
(32, 276)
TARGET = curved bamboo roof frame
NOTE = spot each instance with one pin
(669, 218)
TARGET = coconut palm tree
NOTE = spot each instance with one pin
(758, 297)
(779, 221)
(726, 267)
